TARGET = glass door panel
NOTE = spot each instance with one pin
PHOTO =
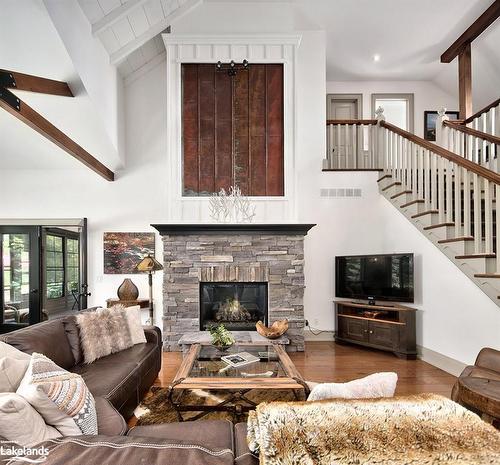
(19, 277)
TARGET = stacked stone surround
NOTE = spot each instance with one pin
(189, 259)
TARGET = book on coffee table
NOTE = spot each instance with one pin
(240, 359)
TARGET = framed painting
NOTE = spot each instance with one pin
(430, 118)
(123, 251)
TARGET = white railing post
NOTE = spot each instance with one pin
(441, 129)
(380, 145)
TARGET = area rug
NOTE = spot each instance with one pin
(156, 407)
(423, 429)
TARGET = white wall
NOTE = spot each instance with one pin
(428, 96)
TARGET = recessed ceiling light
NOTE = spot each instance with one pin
(376, 57)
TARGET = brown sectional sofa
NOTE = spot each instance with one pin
(118, 383)
(122, 378)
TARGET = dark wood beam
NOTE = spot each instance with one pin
(30, 83)
(44, 127)
(465, 82)
(474, 30)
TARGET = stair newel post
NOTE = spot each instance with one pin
(476, 192)
(382, 145)
(457, 207)
(442, 130)
(488, 217)
(497, 228)
(426, 162)
(466, 183)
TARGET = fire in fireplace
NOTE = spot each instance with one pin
(237, 305)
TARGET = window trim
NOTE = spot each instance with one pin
(410, 98)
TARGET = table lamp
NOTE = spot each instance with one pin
(149, 265)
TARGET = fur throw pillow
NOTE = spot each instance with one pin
(103, 332)
(372, 386)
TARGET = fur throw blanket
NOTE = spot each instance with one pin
(423, 429)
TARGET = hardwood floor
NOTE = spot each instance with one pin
(330, 362)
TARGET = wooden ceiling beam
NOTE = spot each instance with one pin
(30, 83)
(474, 30)
(16, 107)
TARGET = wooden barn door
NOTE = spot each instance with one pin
(233, 130)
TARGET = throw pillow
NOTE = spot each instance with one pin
(13, 365)
(372, 386)
(11, 373)
(116, 322)
(61, 397)
(133, 315)
(102, 333)
(21, 423)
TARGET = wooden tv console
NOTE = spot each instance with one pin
(393, 329)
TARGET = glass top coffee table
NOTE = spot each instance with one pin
(203, 368)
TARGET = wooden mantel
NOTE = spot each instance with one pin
(288, 229)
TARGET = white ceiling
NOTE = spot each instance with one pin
(409, 35)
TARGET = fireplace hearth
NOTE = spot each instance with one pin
(237, 305)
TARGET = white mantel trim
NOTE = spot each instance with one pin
(267, 48)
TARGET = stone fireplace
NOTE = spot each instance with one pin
(232, 274)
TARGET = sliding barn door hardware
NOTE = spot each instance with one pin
(232, 67)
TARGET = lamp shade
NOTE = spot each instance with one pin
(149, 264)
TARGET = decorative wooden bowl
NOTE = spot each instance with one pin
(277, 329)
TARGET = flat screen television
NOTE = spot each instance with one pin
(375, 277)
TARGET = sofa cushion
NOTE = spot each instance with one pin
(210, 433)
(109, 420)
(61, 397)
(47, 338)
(242, 454)
(73, 335)
(21, 423)
(12, 372)
(477, 372)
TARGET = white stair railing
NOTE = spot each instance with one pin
(460, 192)
(487, 120)
(475, 145)
(350, 145)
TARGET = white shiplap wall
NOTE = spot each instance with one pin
(262, 48)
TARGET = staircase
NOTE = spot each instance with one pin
(449, 197)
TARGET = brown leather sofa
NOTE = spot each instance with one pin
(122, 378)
(118, 383)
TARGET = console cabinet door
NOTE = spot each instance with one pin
(351, 328)
(383, 334)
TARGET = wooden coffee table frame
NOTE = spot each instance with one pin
(236, 402)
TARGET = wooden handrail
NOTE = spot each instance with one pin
(457, 159)
(473, 132)
(484, 110)
(356, 122)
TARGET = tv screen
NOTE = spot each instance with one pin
(379, 277)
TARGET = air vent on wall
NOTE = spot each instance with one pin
(341, 192)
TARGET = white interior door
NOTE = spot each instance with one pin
(342, 143)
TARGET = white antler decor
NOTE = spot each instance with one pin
(231, 207)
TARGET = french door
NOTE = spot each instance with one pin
(20, 279)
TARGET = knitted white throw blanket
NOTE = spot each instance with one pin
(424, 429)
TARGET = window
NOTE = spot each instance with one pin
(398, 109)
(62, 265)
(55, 266)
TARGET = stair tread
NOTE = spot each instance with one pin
(412, 203)
(456, 239)
(428, 212)
(440, 225)
(395, 196)
(384, 177)
(487, 275)
(477, 255)
(396, 183)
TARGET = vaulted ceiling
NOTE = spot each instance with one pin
(130, 30)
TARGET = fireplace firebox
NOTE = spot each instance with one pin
(237, 305)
